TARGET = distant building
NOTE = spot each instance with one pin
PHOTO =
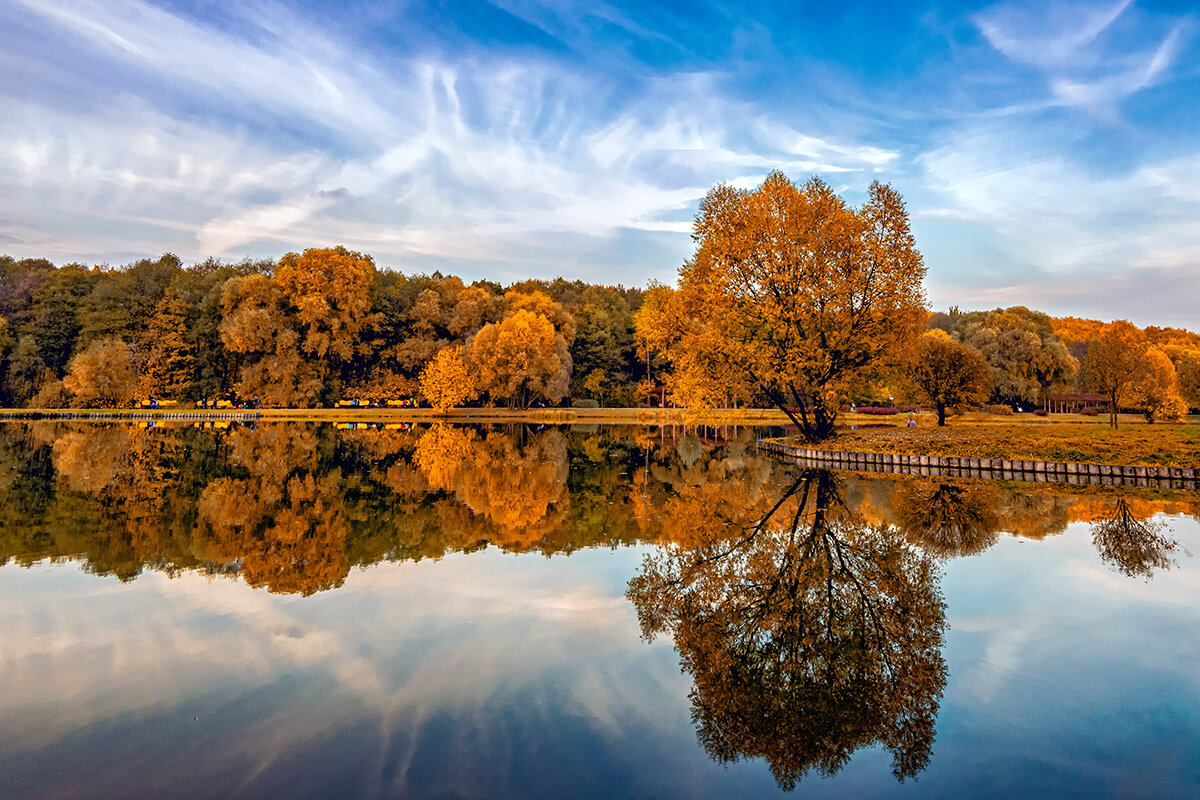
(1073, 403)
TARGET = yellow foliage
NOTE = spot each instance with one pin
(330, 289)
(791, 293)
(1158, 389)
(1077, 329)
(1115, 363)
(521, 358)
(441, 452)
(102, 374)
(445, 381)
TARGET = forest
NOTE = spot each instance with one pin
(326, 326)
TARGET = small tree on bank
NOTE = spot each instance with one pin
(1115, 363)
(102, 375)
(950, 374)
(446, 382)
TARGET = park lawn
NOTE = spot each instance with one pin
(1135, 442)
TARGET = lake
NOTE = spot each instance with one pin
(386, 611)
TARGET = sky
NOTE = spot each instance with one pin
(1049, 152)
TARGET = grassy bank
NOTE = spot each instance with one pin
(1031, 438)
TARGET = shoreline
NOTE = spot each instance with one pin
(1058, 439)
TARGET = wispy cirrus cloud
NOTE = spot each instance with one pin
(476, 162)
(536, 138)
(1086, 61)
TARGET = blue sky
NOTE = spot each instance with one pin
(1049, 152)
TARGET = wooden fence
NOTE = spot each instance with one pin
(990, 468)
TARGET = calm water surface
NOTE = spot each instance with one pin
(309, 611)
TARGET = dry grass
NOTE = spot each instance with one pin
(1037, 439)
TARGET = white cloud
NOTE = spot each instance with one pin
(478, 161)
(1086, 63)
(1121, 245)
(1048, 34)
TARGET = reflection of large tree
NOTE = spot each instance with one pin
(1134, 546)
(948, 520)
(808, 636)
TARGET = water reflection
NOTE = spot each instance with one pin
(806, 608)
(809, 634)
(1133, 546)
(949, 520)
(292, 508)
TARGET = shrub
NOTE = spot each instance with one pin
(1041, 412)
(878, 410)
(1000, 409)
(585, 403)
(1089, 411)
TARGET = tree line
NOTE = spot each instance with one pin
(793, 299)
(308, 330)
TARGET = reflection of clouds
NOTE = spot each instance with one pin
(402, 644)
(1066, 611)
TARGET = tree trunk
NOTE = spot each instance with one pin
(820, 425)
(941, 409)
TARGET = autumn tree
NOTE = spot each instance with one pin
(950, 374)
(296, 330)
(948, 520)
(1115, 364)
(170, 360)
(520, 359)
(657, 324)
(1026, 356)
(1157, 392)
(1187, 368)
(792, 292)
(328, 288)
(102, 375)
(446, 381)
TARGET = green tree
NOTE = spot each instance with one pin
(603, 344)
(1026, 356)
(950, 374)
(53, 319)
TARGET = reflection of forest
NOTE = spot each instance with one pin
(292, 508)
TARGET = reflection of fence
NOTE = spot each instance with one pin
(989, 468)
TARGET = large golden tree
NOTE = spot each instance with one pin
(791, 293)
